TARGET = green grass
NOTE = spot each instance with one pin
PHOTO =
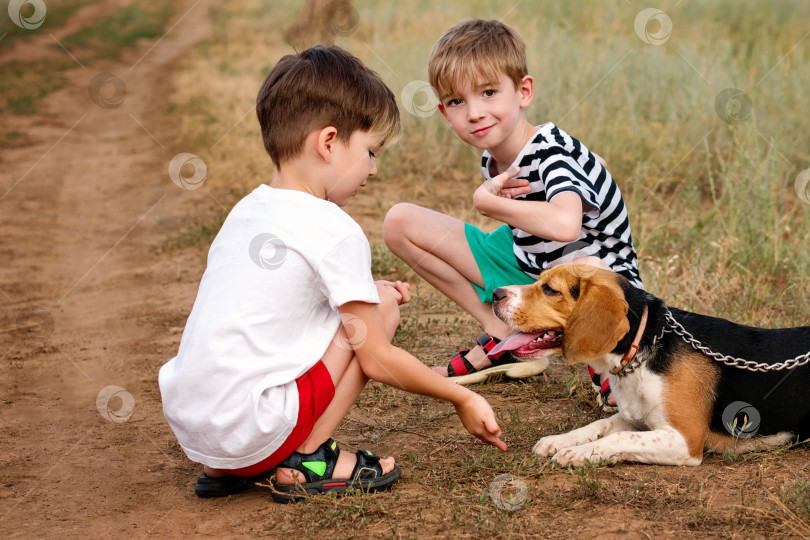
(23, 86)
(14, 139)
(57, 13)
(109, 36)
(796, 495)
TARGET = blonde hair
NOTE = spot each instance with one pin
(475, 48)
(320, 87)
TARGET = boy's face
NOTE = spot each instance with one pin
(353, 163)
(486, 114)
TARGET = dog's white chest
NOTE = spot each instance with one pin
(639, 396)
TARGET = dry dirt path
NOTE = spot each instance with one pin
(86, 304)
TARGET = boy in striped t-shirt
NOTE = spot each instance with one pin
(559, 202)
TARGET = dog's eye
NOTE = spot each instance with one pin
(548, 291)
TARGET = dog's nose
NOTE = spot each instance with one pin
(498, 294)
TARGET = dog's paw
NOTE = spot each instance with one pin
(576, 456)
(548, 445)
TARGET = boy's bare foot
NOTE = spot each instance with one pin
(343, 469)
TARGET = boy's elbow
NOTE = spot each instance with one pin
(372, 362)
(569, 230)
(480, 201)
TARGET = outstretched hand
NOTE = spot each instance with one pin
(479, 419)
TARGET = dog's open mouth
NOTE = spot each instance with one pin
(530, 344)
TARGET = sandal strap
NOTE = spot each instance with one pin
(315, 466)
(594, 376)
(487, 342)
(459, 365)
(603, 386)
(367, 466)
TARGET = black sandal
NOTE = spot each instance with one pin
(317, 469)
(220, 486)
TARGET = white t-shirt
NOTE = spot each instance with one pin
(265, 313)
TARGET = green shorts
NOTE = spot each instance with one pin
(496, 260)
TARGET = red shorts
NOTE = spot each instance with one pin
(315, 393)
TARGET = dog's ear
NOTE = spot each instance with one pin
(598, 321)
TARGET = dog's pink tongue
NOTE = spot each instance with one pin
(515, 341)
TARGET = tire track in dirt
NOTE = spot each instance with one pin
(85, 303)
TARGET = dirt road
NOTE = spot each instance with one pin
(87, 304)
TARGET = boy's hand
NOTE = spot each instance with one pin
(400, 289)
(506, 185)
(599, 159)
(477, 416)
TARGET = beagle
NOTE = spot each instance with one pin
(675, 400)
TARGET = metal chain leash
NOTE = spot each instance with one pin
(750, 365)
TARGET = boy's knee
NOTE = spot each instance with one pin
(396, 222)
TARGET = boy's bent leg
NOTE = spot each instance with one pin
(349, 381)
(435, 246)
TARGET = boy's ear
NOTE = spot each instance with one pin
(325, 142)
(441, 110)
(526, 89)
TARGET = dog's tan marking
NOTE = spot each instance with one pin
(593, 322)
(598, 320)
(721, 442)
(691, 380)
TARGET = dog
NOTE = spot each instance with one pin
(684, 382)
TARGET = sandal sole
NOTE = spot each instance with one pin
(519, 370)
(287, 493)
(213, 488)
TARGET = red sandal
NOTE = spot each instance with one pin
(461, 371)
(603, 391)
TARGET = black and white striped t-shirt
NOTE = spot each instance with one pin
(554, 162)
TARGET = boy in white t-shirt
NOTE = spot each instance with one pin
(288, 324)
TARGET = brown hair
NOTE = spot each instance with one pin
(320, 87)
(474, 48)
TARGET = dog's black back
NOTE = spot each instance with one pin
(781, 399)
